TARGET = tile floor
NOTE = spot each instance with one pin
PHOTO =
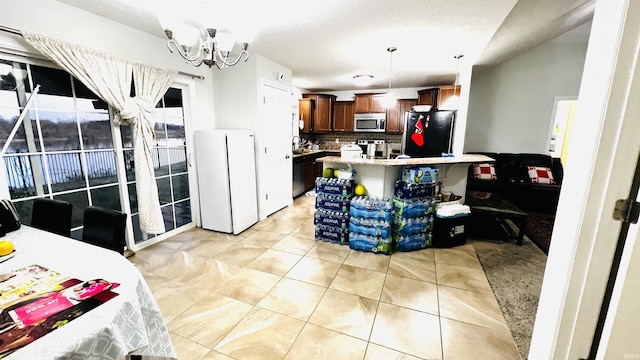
(273, 292)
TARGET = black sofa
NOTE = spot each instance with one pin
(513, 183)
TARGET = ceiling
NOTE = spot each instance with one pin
(325, 43)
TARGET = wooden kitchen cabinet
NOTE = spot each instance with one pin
(395, 116)
(322, 114)
(428, 97)
(312, 169)
(343, 116)
(446, 92)
(369, 103)
(305, 108)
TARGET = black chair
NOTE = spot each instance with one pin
(52, 215)
(104, 228)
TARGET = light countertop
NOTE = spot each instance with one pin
(465, 158)
(313, 152)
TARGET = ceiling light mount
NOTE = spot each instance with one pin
(363, 79)
(211, 48)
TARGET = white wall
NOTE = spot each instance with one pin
(510, 104)
(64, 22)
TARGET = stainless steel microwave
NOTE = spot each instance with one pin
(369, 122)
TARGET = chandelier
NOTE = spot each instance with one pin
(211, 48)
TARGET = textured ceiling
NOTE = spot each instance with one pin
(325, 43)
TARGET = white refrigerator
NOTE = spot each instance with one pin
(226, 179)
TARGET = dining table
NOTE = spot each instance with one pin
(129, 323)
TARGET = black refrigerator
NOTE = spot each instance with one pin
(428, 134)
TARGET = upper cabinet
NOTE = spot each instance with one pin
(446, 92)
(343, 116)
(306, 107)
(396, 114)
(369, 103)
(428, 97)
(321, 115)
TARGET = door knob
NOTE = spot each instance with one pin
(287, 156)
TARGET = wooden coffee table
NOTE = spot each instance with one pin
(495, 206)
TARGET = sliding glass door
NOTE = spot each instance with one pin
(65, 149)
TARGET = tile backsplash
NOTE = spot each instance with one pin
(328, 141)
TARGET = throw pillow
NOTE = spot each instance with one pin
(540, 175)
(484, 171)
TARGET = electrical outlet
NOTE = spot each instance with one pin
(337, 140)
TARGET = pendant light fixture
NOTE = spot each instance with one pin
(389, 99)
(453, 103)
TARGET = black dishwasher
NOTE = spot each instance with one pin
(298, 176)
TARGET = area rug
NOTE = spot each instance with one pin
(515, 274)
(539, 228)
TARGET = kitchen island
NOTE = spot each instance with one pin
(379, 175)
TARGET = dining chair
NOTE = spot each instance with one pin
(52, 215)
(104, 228)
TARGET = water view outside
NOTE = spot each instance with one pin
(64, 147)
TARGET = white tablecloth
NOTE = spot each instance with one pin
(129, 323)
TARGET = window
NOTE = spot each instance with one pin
(64, 148)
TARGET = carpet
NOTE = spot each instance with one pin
(539, 228)
(515, 274)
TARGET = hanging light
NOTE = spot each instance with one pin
(389, 99)
(211, 47)
(453, 103)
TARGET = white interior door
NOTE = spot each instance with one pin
(275, 149)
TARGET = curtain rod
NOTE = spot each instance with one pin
(10, 30)
(17, 32)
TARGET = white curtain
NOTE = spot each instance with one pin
(109, 77)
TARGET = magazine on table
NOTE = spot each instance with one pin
(35, 301)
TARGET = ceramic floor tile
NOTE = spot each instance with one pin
(478, 308)
(459, 340)
(359, 281)
(211, 247)
(345, 313)
(214, 355)
(171, 305)
(198, 271)
(412, 267)
(263, 238)
(314, 271)
(410, 293)
(275, 262)
(368, 260)
(296, 217)
(293, 298)
(328, 251)
(263, 223)
(206, 274)
(240, 254)
(196, 322)
(317, 343)
(187, 349)
(253, 337)
(377, 352)
(244, 299)
(156, 257)
(305, 230)
(457, 257)
(248, 285)
(408, 331)
(462, 277)
(425, 254)
(294, 244)
(282, 226)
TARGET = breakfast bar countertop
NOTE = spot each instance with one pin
(464, 158)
